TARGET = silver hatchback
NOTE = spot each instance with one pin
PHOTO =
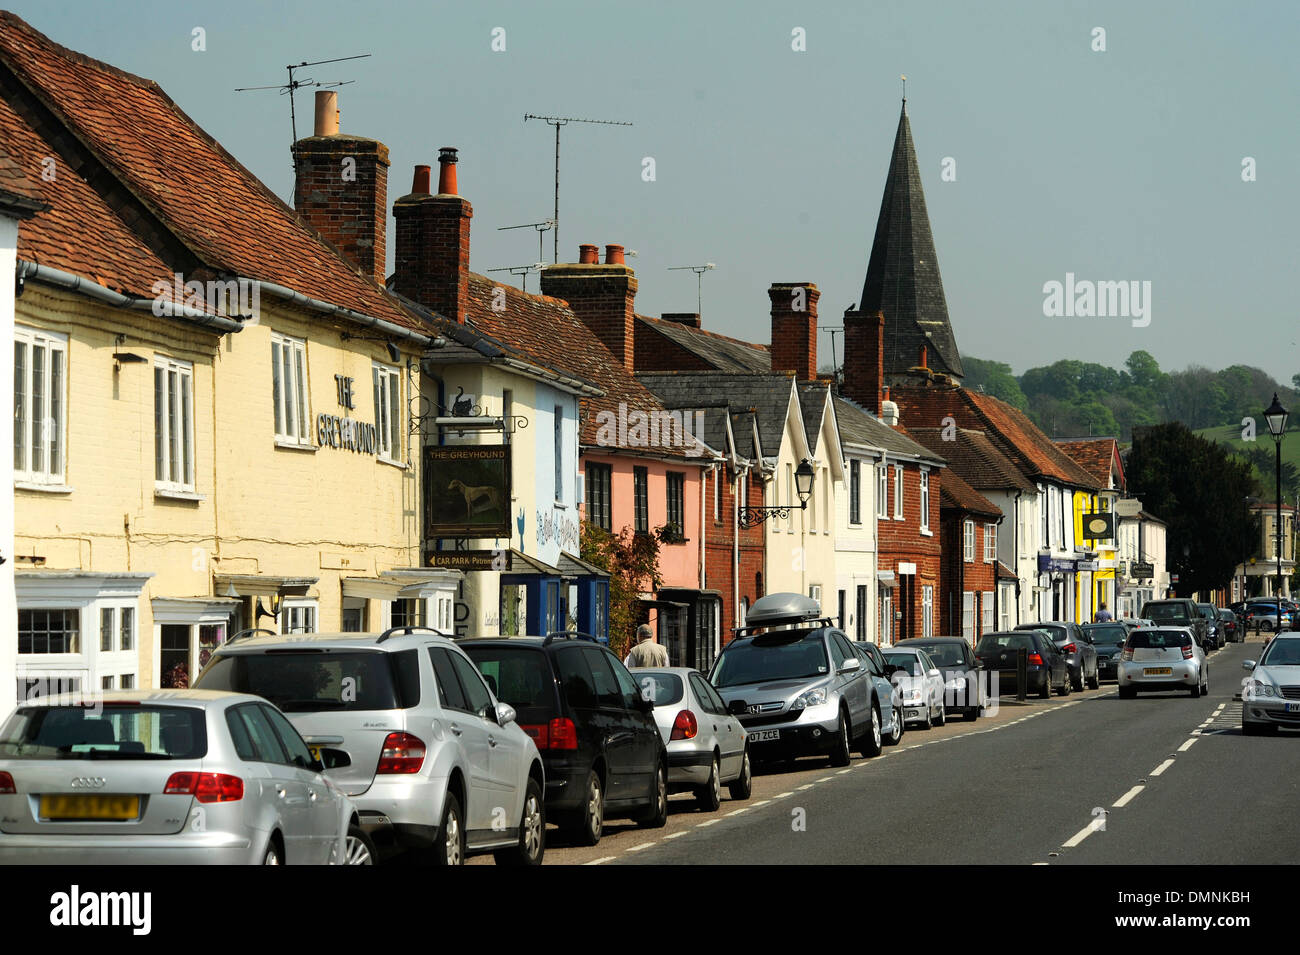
(166, 777)
(1162, 658)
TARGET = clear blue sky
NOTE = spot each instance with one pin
(1115, 165)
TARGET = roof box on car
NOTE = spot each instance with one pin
(777, 609)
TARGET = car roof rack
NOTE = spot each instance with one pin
(403, 631)
(569, 635)
(249, 631)
(784, 625)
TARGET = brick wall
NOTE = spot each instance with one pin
(345, 202)
(655, 351)
(903, 541)
(431, 260)
(794, 328)
(602, 297)
(864, 358)
(718, 549)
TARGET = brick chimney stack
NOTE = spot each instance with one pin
(794, 328)
(601, 295)
(864, 358)
(341, 188)
(432, 255)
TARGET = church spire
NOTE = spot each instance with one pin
(903, 278)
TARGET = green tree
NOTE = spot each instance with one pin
(1199, 491)
(995, 378)
(632, 562)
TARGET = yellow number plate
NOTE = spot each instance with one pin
(1157, 671)
(108, 808)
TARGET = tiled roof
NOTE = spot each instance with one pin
(1004, 572)
(956, 493)
(972, 455)
(767, 396)
(158, 175)
(1097, 456)
(903, 272)
(859, 426)
(18, 193)
(812, 402)
(545, 327)
(711, 349)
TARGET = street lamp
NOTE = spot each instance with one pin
(1276, 417)
(803, 483)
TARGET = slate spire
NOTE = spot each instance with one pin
(903, 278)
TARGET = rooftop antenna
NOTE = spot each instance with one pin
(521, 270)
(699, 271)
(541, 227)
(557, 122)
(294, 84)
(835, 365)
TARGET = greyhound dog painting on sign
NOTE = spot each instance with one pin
(467, 491)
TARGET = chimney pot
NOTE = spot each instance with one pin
(327, 113)
(420, 184)
(447, 160)
(921, 362)
(614, 255)
(588, 255)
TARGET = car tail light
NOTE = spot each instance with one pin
(1126, 653)
(206, 787)
(1187, 653)
(1036, 659)
(7, 784)
(403, 754)
(538, 732)
(1069, 648)
(685, 726)
(563, 734)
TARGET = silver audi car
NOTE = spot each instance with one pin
(168, 777)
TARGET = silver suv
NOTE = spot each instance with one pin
(435, 763)
(798, 688)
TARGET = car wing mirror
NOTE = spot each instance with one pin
(1248, 664)
(506, 714)
(737, 708)
(851, 665)
(332, 759)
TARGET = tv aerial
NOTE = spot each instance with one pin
(294, 84)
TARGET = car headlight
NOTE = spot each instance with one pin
(809, 698)
(1263, 689)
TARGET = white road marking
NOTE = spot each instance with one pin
(675, 835)
(644, 845)
(1078, 837)
(1161, 768)
(843, 771)
(783, 795)
(757, 804)
(825, 779)
(1040, 863)
(737, 812)
(804, 786)
(1125, 799)
(1186, 746)
(600, 860)
(708, 822)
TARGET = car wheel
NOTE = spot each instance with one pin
(1095, 682)
(709, 796)
(1066, 684)
(972, 713)
(896, 734)
(360, 850)
(871, 742)
(1077, 681)
(842, 753)
(449, 847)
(1196, 690)
(929, 719)
(1046, 691)
(591, 817)
(657, 816)
(532, 831)
(943, 715)
(742, 785)
(272, 854)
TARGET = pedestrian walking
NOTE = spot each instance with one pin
(1102, 615)
(647, 652)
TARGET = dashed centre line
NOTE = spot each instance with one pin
(1161, 768)
(1125, 799)
(1188, 745)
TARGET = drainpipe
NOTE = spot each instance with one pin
(735, 548)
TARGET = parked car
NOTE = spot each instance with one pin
(706, 744)
(1263, 615)
(1047, 667)
(1177, 612)
(1232, 632)
(881, 676)
(1213, 639)
(1108, 639)
(1272, 696)
(1071, 640)
(433, 758)
(597, 734)
(799, 689)
(964, 689)
(1134, 622)
(168, 777)
(922, 685)
(1163, 658)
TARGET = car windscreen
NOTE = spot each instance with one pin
(310, 681)
(121, 732)
(518, 676)
(1157, 639)
(1282, 653)
(664, 689)
(1162, 613)
(908, 661)
(945, 654)
(991, 643)
(771, 657)
(1107, 636)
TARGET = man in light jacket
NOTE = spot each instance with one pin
(647, 652)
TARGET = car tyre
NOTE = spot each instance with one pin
(1066, 685)
(841, 755)
(900, 726)
(272, 854)
(709, 796)
(532, 831)
(1046, 692)
(1095, 681)
(360, 850)
(742, 785)
(657, 815)
(590, 821)
(449, 846)
(943, 715)
(1077, 682)
(872, 743)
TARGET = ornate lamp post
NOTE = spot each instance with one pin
(1276, 417)
(803, 482)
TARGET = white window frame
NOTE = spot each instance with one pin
(968, 615)
(557, 424)
(390, 422)
(990, 542)
(986, 612)
(170, 475)
(855, 492)
(927, 611)
(789, 485)
(307, 610)
(882, 492)
(898, 492)
(925, 499)
(291, 398)
(51, 469)
(717, 494)
(968, 541)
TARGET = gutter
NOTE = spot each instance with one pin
(101, 293)
(378, 324)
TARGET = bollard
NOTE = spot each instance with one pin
(1022, 673)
